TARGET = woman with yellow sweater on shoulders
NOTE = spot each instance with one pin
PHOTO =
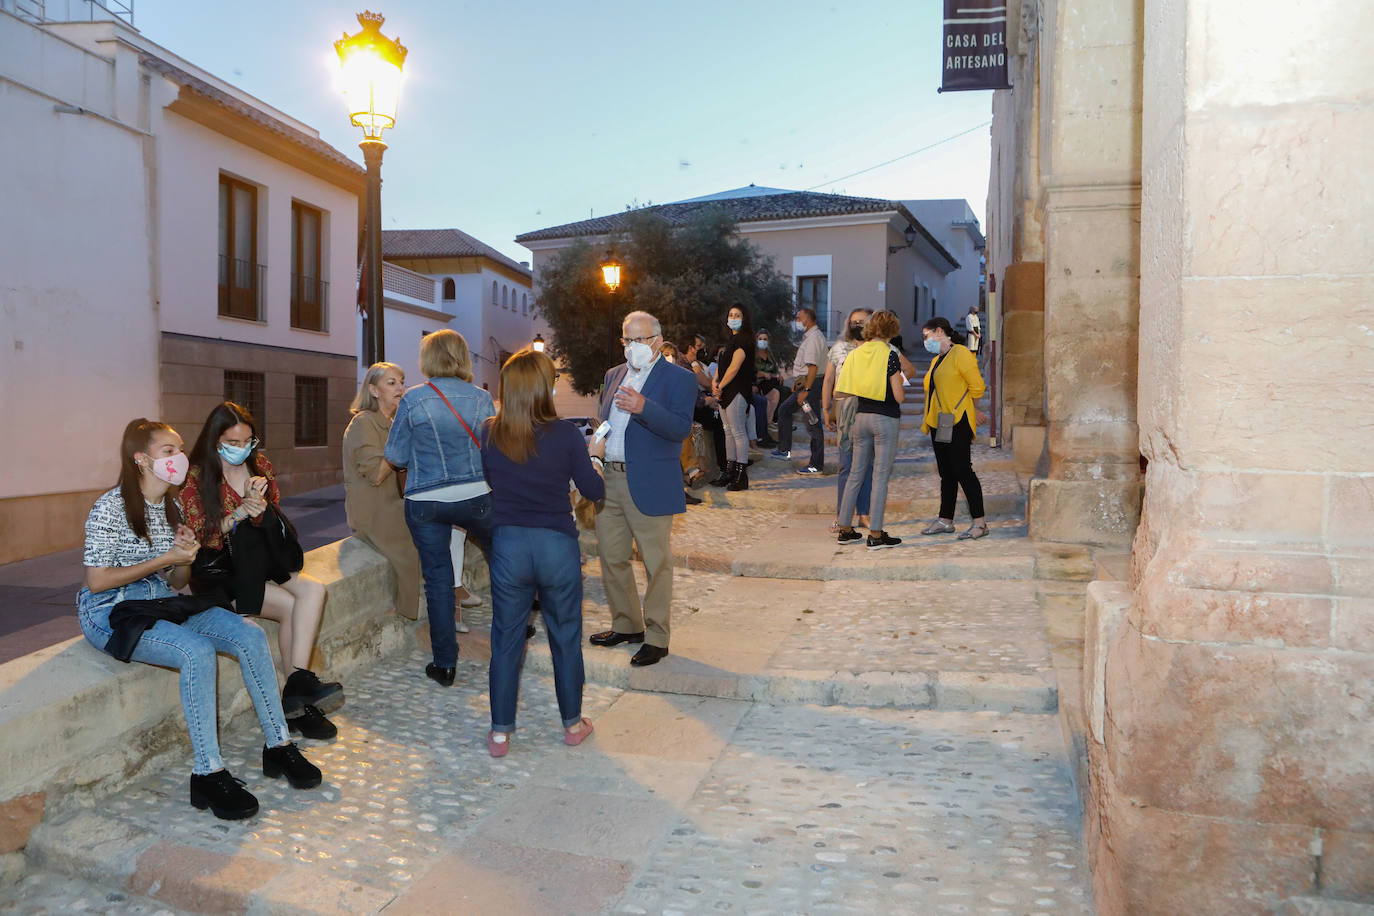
(952, 385)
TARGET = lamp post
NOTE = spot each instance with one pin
(371, 65)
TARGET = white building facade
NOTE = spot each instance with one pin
(180, 243)
(445, 278)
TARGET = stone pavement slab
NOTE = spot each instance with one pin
(674, 804)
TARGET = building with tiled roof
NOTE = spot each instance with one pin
(446, 278)
(188, 243)
(842, 252)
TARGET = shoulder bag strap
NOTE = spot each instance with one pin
(456, 414)
(931, 389)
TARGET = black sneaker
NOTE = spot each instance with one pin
(304, 687)
(850, 537)
(288, 761)
(224, 795)
(883, 541)
(311, 723)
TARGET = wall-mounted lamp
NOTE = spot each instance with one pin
(909, 234)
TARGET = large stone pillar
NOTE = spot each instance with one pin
(1090, 162)
(1232, 695)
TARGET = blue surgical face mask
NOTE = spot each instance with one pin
(734, 323)
(236, 454)
(763, 345)
(932, 345)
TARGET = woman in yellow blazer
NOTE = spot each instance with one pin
(952, 385)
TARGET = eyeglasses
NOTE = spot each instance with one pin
(640, 340)
(235, 443)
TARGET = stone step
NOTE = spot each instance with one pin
(918, 645)
(783, 545)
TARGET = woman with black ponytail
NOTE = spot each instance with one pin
(952, 385)
(137, 553)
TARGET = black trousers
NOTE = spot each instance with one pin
(955, 463)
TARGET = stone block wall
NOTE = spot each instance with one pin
(1232, 765)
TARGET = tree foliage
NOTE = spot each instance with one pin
(688, 278)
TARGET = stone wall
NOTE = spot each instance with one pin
(1090, 163)
(1232, 758)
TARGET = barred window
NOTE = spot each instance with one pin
(312, 405)
(246, 389)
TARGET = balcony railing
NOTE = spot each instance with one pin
(397, 279)
(309, 303)
(241, 285)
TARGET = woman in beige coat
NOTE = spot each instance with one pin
(372, 499)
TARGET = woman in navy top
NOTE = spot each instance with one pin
(529, 457)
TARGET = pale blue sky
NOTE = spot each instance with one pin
(519, 116)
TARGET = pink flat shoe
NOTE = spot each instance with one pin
(573, 739)
(497, 748)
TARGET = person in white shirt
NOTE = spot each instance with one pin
(806, 389)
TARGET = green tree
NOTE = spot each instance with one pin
(688, 277)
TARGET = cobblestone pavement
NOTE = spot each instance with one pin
(676, 804)
(713, 783)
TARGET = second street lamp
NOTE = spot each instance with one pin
(371, 65)
(610, 272)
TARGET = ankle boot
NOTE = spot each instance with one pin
(304, 687)
(726, 474)
(740, 481)
(312, 724)
(288, 761)
(224, 795)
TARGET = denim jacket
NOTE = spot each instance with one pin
(429, 442)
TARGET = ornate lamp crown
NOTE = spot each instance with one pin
(371, 64)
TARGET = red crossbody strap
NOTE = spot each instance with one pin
(456, 414)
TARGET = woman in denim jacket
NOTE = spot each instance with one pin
(137, 549)
(433, 438)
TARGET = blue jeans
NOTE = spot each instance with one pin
(760, 405)
(526, 562)
(431, 526)
(845, 411)
(190, 648)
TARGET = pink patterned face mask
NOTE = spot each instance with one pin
(171, 468)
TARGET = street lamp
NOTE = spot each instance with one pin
(610, 272)
(909, 234)
(371, 65)
(538, 344)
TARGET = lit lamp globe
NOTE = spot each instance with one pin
(371, 74)
(538, 344)
(610, 273)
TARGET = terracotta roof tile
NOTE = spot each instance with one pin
(441, 243)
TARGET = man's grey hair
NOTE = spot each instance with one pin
(653, 322)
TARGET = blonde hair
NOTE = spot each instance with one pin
(444, 354)
(882, 325)
(526, 396)
(365, 399)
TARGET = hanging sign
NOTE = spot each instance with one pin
(975, 46)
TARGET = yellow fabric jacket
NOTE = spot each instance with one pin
(865, 371)
(958, 374)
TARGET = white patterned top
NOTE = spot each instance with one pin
(110, 542)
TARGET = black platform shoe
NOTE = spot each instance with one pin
(311, 723)
(288, 761)
(441, 676)
(304, 687)
(224, 795)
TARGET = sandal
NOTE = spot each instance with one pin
(974, 532)
(574, 738)
(939, 526)
(835, 527)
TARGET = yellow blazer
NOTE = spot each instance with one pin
(958, 374)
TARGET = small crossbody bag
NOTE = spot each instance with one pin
(944, 422)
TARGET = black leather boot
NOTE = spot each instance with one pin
(726, 475)
(312, 724)
(224, 795)
(288, 761)
(740, 480)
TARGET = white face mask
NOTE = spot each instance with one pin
(763, 345)
(639, 355)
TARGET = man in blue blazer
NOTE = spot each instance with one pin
(648, 402)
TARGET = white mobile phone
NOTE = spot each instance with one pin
(602, 431)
